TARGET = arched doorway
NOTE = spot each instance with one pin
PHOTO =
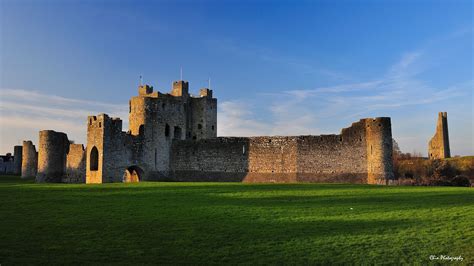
(133, 174)
(94, 159)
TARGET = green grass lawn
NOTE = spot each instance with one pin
(215, 223)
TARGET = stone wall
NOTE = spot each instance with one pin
(52, 152)
(217, 159)
(7, 164)
(29, 164)
(342, 158)
(17, 154)
(333, 158)
(75, 165)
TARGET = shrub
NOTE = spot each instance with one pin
(460, 181)
(448, 172)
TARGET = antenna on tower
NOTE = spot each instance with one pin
(209, 83)
(181, 73)
(141, 80)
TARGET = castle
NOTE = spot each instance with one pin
(173, 137)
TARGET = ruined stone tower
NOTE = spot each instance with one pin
(17, 155)
(438, 147)
(107, 147)
(52, 151)
(29, 163)
(379, 150)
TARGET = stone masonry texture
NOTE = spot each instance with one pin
(17, 154)
(52, 150)
(360, 154)
(438, 147)
(29, 164)
(173, 137)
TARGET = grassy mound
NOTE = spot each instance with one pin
(215, 223)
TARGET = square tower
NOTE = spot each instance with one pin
(180, 88)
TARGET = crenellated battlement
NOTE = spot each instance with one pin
(173, 136)
(180, 88)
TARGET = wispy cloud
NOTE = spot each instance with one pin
(23, 113)
(397, 88)
(401, 91)
(239, 118)
(235, 118)
(267, 55)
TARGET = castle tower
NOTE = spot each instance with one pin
(203, 116)
(180, 88)
(95, 148)
(379, 150)
(29, 162)
(438, 147)
(141, 111)
(145, 89)
(105, 149)
(52, 151)
(17, 153)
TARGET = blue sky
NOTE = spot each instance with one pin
(277, 67)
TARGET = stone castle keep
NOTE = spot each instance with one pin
(173, 137)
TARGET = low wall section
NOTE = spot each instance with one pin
(341, 158)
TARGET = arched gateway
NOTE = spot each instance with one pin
(133, 174)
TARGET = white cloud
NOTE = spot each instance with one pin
(235, 118)
(292, 112)
(24, 113)
(328, 109)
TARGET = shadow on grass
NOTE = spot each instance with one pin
(174, 223)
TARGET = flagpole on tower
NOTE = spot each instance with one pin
(141, 80)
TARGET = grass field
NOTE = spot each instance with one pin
(215, 223)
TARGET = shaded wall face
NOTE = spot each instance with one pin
(17, 152)
(117, 156)
(203, 118)
(260, 159)
(7, 165)
(220, 159)
(76, 164)
(52, 151)
(269, 159)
